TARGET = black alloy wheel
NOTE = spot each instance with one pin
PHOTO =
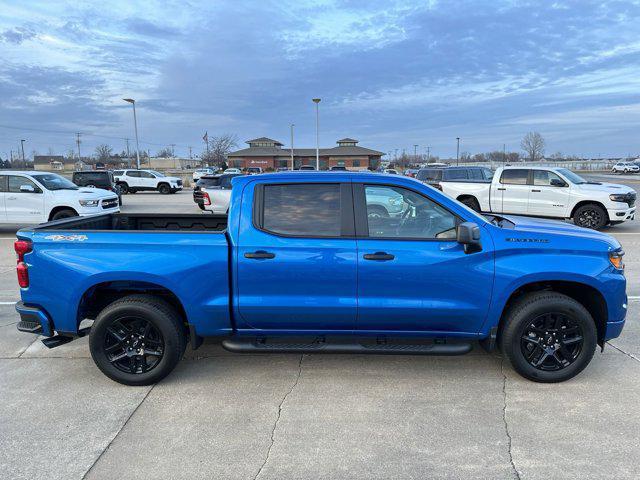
(164, 189)
(591, 216)
(133, 345)
(551, 342)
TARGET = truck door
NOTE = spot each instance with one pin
(412, 274)
(24, 201)
(549, 195)
(511, 193)
(296, 257)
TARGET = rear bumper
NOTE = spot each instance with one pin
(622, 214)
(34, 320)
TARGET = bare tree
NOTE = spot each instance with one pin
(533, 144)
(219, 148)
(103, 152)
(165, 153)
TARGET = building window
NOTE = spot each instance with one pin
(356, 162)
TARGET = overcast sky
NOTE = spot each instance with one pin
(390, 73)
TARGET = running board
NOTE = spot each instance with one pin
(279, 345)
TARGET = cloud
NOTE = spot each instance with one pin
(17, 35)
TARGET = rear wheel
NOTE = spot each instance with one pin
(164, 189)
(590, 216)
(137, 340)
(548, 337)
(64, 213)
(471, 202)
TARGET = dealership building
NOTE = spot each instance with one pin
(269, 154)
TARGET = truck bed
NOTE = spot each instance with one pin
(140, 222)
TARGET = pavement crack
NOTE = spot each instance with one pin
(27, 347)
(118, 433)
(630, 355)
(275, 424)
(516, 473)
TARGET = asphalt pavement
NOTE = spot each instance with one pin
(229, 416)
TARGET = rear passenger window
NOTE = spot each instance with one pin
(302, 210)
(3, 183)
(457, 174)
(475, 174)
(514, 177)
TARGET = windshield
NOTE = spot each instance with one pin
(572, 177)
(51, 181)
(157, 174)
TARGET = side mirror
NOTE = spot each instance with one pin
(468, 234)
(27, 188)
(556, 182)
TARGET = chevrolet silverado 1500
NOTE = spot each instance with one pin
(303, 264)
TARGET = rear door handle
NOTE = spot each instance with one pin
(501, 188)
(380, 256)
(260, 255)
(538, 191)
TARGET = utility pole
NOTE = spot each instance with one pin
(415, 153)
(428, 154)
(127, 140)
(22, 145)
(317, 101)
(190, 157)
(292, 125)
(78, 144)
(504, 154)
(458, 151)
(173, 146)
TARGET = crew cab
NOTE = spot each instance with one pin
(300, 266)
(31, 197)
(546, 192)
(132, 181)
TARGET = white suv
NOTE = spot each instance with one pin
(32, 197)
(625, 167)
(132, 181)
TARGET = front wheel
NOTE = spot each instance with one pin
(164, 189)
(548, 337)
(591, 216)
(137, 340)
(124, 188)
(64, 213)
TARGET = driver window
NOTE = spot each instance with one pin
(544, 177)
(395, 212)
(147, 175)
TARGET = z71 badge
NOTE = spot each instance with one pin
(66, 238)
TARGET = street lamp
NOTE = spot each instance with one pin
(415, 153)
(292, 125)
(317, 101)
(458, 151)
(22, 145)
(135, 126)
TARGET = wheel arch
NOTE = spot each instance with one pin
(587, 295)
(99, 295)
(588, 202)
(59, 208)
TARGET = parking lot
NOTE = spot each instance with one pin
(223, 415)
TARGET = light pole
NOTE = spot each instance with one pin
(22, 145)
(458, 151)
(292, 125)
(415, 153)
(317, 101)
(135, 126)
(428, 154)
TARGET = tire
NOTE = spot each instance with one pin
(534, 333)
(591, 216)
(472, 203)
(164, 189)
(64, 213)
(124, 188)
(119, 334)
(377, 211)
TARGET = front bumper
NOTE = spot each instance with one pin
(622, 214)
(34, 320)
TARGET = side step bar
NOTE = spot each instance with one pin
(262, 345)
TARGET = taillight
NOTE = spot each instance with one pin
(22, 247)
(206, 198)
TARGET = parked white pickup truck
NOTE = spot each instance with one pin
(33, 197)
(547, 192)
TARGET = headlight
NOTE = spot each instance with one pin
(89, 203)
(616, 259)
(618, 197)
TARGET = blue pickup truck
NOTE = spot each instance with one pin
(323, 262)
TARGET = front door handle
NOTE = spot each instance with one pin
(501, 188)
(380, 256)
(537, 191)
(260, 255)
